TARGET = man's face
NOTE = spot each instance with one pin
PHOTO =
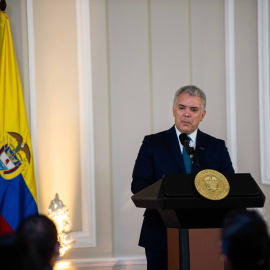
(188, 113)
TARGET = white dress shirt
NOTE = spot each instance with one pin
(192, 142)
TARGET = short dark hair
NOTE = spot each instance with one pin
(16, 253)
(245, 241)
(42, 233)
(192, 90)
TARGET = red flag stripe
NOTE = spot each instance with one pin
(4, 226)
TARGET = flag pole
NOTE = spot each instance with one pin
(3, 5)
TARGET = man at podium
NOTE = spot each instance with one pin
(162, 153)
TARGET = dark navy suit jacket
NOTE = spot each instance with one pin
(160, 154)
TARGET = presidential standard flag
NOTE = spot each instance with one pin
(18, 197)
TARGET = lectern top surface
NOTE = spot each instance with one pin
(177, 185)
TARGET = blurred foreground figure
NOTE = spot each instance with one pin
(245, 241)
(41, 232)
(17, 254)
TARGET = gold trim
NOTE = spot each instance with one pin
(212, 185)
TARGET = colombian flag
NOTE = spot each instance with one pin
(18, 196)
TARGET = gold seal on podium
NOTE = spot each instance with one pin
(212, 185)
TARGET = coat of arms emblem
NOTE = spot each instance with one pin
(14, 155)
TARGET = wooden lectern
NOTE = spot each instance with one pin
(182, 207)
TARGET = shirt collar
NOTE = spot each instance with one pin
(193, 137)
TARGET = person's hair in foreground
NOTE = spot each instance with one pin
(16, 253)
(42, 233)
(245, 241)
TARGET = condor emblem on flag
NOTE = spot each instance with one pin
(13, 158)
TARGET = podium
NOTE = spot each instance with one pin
(182, 207)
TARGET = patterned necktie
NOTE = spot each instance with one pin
(187, 160)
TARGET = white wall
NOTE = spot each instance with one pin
(141, 53)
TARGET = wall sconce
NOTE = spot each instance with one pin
(58, 212)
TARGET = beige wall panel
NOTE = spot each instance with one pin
(57, 105)
(130, 112)
(101, 107)
(16, 11)
(265, 188)
(102, 145)
(208, 61)
(170, 54)
(247, 100)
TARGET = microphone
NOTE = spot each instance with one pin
(185, 142)
(190, 150)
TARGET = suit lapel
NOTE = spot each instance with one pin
(175, 148)
(201, 144)
(200, 150)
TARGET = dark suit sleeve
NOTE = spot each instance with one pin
(213, 154)
(143, 172)
(226, 163)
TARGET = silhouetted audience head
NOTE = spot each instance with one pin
(245, 241)
(42, 233)
(16, 253)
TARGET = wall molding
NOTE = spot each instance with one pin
(86, 237)
(100, 262)
(32, 83)
(131, 261)
(230, 81)
(264, 98)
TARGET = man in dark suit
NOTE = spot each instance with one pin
(162, 153)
